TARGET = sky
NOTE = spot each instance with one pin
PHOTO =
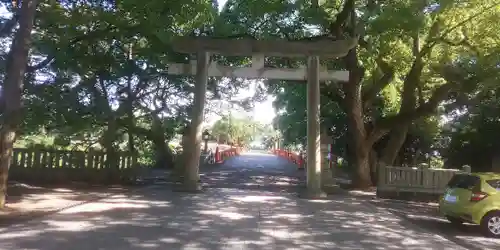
(262, 112)
(221, 4)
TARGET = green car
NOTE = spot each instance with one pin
(473, 198)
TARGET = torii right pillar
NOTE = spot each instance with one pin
(314, 187)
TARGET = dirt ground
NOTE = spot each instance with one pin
(26, 201)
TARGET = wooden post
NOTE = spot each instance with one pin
(313, 131)
(195, 133)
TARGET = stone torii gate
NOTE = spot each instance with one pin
(202, 68)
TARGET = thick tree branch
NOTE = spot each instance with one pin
(372, 91)
(337, 28)
(432, 41)
(384, 125)
(89, 36)
(420, 94)
(464, 42)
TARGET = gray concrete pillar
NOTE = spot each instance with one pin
(313, 131)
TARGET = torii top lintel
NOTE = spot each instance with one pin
(324, 47)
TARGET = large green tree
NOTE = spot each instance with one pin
(12, 86)
(96, 72)
(469, 136)
(402, 70)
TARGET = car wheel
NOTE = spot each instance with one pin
(455, 221)
(490, 224)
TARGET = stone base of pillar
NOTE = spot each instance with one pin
(312, 194)
(327, 179)
(176, 177)
(189, 187)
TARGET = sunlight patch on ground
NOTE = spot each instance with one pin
(424, 217)
(19, 234)
(282, 183)
(72, 226)
(289, 216)
(262, 241)
(63, 190)
(169, 240)
(284, 233)
(110, 204)
(146, 245)
(484, 242)
(226, 215)
(252, 198)
(319, 201)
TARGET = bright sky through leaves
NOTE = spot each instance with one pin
(263, 112)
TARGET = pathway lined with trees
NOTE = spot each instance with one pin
(93, 76)
(247, 204)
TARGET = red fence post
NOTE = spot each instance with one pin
(301, 160)
(217, 154)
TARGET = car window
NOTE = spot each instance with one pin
(463, 181)
(494, 183)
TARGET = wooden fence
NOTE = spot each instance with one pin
(48, 166)
(415, 180)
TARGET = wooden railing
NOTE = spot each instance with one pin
(291, 156)
(417, 180)
(222, 155)
(57, 166)
(42, 158)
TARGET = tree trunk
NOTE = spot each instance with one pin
(130, 101)
(164, 158)
(163, 154)
(108, 141)
(160, 148)
(374, 166)
(360, 150)
(12, 91)
(130, 115)
(397, 136)
(180, 164)
(362, 177)
(396, 140)
(131, 145)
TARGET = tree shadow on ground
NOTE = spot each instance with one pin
(219, 219)
(18, 191)
(426, 216)
(225, 218)
(25, 202)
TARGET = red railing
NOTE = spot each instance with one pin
(222, 155)
(300, 159)
(291, 156)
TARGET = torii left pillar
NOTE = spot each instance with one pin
(191, 180)
(314, 187)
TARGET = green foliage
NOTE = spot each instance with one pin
(238, 130)
(98, 79)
